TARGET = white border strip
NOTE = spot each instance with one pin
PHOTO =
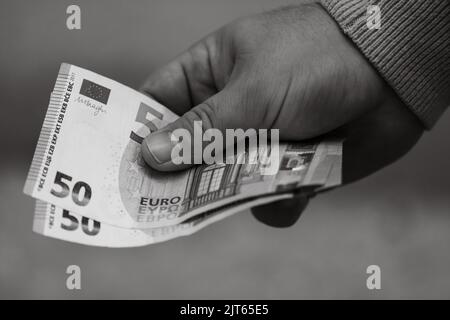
(50, 120)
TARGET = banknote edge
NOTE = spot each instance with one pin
(50, 120)
(332, 158)
(40, 216)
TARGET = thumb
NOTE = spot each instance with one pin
(218, 112)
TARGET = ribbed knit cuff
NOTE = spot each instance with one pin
(411, 49)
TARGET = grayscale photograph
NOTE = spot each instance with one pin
(225, 155)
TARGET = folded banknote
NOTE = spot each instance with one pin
(88, 165)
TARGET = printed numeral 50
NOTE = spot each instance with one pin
(62, 181)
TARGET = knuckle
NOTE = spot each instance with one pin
(204, 112)
(207, 113)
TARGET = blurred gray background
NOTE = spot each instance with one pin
(397, 218)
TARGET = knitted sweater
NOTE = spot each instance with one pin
(408, 42)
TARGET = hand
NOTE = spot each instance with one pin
(290, 69)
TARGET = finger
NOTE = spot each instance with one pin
(168, 85)
(184, 82)
(281, 214)
(219, 112)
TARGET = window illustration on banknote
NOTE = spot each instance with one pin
(208, 183)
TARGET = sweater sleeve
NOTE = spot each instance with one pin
(410, 47)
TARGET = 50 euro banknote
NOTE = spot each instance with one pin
(55, 222)
(88, 160)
